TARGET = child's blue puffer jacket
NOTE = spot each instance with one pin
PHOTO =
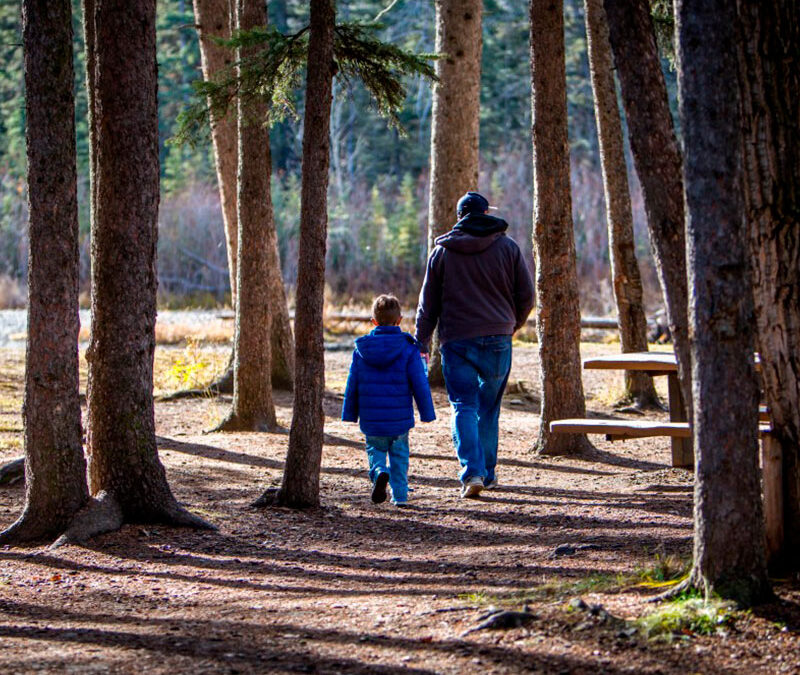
(385, 374)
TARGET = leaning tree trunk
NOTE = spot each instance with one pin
(455, 123)
(54, 464)
(657, 159)
(214, 20)
(628, 292)
(769, 77)
(300, 486)
(253, 408)
(123, 457)
(729, 556)
(558, 318)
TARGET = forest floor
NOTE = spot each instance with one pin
(354, 587)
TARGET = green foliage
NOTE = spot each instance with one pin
(403, 226)
(687, 616)
(273, 73)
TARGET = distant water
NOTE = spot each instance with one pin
(13, 322)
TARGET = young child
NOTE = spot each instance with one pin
(386, 373)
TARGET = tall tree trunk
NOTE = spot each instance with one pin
(769, 77)
(628, 292)
(123, 458)
(87, 7)
(300, 487)
(214, 20)
(558, 318)
(657, 159)
(729, 557)
(54, 464)
(253, 408)
(455, 123)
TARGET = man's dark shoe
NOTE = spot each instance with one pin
(379, 489)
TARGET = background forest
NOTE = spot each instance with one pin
(378, 188)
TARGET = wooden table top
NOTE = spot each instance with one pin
(664, 362)
(653, 362)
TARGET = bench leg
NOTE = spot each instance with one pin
(682, 453)
(772, 476)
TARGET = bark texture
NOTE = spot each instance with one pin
(769, 78)
(657, 158)
(55, 468)
(253, 407)
(627, 281)
(214, 19)
(558, 319)
(455, 123)
(300, 486)
(729, 540)
(123, 458)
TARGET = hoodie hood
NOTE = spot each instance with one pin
(474, 233)
(481, 224)
(383, 346)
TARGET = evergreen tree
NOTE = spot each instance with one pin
(557, 308)
(729, 555)
(54, 463)
(627, 282)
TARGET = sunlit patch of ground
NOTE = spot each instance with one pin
(358, 588)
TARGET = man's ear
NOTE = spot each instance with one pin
(372, 320)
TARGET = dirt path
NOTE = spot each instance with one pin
(354, 587)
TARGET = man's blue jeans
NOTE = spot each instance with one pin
(475, 373)
(395, 449)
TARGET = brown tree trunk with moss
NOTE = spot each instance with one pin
(657, 158)
(558, 318)
(54, 463)
(769, 79)
(729, 555)
(124, 468)
(253, 407)
(628, 292)
(455, 124)
(214, 20)
(300, 486)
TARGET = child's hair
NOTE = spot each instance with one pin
(386, 310)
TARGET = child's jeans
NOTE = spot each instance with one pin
(395, 449)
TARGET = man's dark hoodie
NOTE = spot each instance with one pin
(476, 283)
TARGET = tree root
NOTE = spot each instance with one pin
(235, 423)
(177, 515)
(27, 529)
(102, 514)
(12, 471)
(270, 497)
(277, 497)
(222, 385)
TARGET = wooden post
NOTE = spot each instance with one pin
(682, 452)
(772, 476)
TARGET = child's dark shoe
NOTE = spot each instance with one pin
(379, 489)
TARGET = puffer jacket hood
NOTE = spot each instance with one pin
(386, 376)
(473, 234)
(390, 345)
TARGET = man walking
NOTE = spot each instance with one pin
(478, 289)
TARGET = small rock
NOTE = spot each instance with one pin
(578, 604)
(564, 549)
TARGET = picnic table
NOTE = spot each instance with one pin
(656, 364)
